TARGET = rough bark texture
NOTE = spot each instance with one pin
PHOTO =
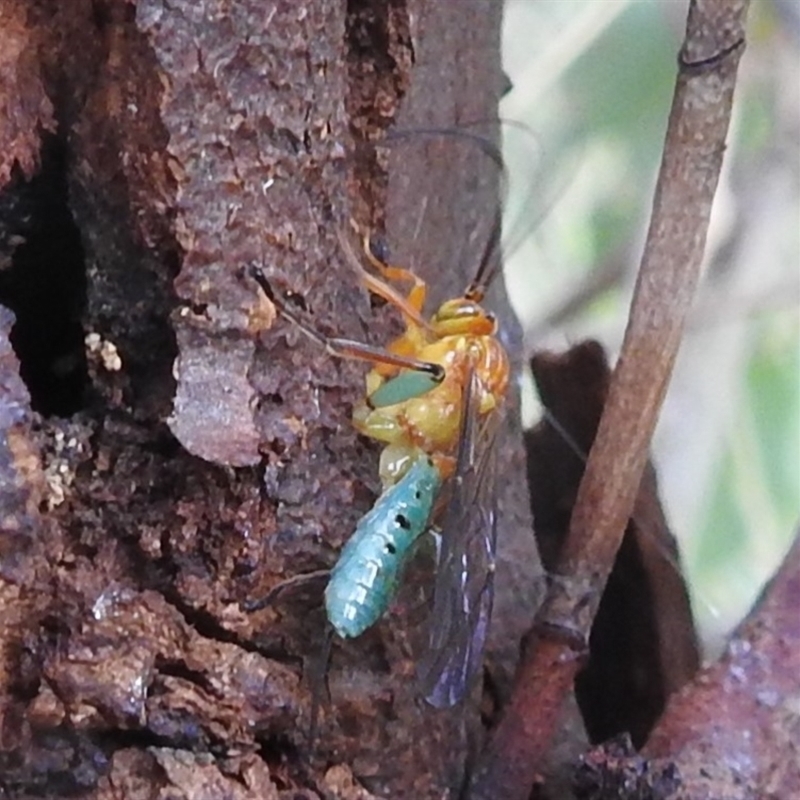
(177, 450)
(170, 450)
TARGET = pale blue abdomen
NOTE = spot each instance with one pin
(367, 573)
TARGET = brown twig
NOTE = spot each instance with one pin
(668, 276)
(643, 644)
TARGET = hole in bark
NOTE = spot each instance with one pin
(45, 287)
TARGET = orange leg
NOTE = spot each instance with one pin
(348, 348)
(417, 293)
(410, 306)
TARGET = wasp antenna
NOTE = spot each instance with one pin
(490, 264)
(475, 294)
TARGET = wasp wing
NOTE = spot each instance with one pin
(464, 589)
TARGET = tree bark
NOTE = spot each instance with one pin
(207, 455)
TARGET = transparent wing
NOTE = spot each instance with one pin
(464, 590)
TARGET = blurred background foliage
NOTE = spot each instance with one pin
(593, 81)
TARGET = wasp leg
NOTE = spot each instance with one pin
(409, 306)
(272, 595)
(348, 348)
(320, 691)
(418, 292)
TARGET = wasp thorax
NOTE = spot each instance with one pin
(463, 316)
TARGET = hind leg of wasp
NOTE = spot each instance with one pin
(318, 665)
(273, 594)
(432, 374)
(320, 691)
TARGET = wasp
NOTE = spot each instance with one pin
(434, 399)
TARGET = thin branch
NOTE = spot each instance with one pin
(668, 276)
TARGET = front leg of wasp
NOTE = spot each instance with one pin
(429, 375)
(409, 305)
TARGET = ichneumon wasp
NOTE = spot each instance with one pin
(434, 399)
